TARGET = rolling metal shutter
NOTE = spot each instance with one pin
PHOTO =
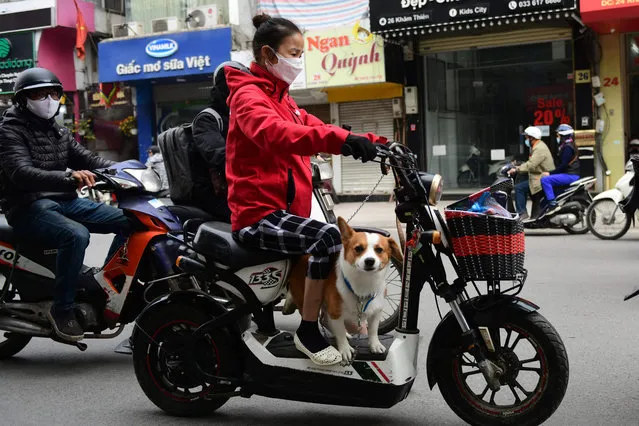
(534, 35)
(367, 116)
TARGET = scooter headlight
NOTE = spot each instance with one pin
(149, 178)
(434, 184)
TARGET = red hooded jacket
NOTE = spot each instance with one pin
(268, 148)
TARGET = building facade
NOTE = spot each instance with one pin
(483, 73)
(615, 77)
(43, 33)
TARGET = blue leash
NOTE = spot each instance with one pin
(370, 299)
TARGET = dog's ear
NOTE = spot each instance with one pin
(344, 228)
(396, 251)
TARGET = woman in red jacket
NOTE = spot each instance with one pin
(268, 168)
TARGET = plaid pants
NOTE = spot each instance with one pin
(290, 234)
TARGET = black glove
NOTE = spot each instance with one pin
(360, 148)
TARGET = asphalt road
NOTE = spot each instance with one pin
(579, 281)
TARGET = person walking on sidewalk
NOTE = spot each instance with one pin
(568, 170)
(540, 161)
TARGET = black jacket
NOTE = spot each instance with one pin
(209, 139)
(568, 157)
(209, 177)
(34, 157)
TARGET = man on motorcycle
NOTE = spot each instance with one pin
(41, 166)
(568, 170)
(540, 161)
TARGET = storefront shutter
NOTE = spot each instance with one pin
(321, 111)
(534, 35)
(367, 116)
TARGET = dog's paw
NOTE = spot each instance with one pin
(376, 347)
(347, 352)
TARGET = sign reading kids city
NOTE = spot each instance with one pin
(166, 55)
(343, 56)
(397, 15)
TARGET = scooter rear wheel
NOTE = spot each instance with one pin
(606, 220)
(12, 343)
(173, 376)
(581, 227)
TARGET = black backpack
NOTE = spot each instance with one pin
(180, 154)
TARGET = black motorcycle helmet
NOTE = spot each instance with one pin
(34, 78)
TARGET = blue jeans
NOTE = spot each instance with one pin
(562, 179)
(66, 226)
(522, 190)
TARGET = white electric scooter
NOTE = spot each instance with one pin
(496, 360)
(605, 218)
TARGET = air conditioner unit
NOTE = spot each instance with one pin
(161, 25)
(129, 29)
(206, 16)
(115, 6)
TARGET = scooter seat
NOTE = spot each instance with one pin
(185, 213)
(215, 239)
(6, 232)
(582, 181)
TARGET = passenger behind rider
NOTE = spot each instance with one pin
(567, 171)
(156, 162)
(268, 168)
(540, 161)
(39, 195)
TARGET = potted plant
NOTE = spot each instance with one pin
(82, 128)
(128, 126)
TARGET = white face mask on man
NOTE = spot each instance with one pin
(286, 69)
(44, 108)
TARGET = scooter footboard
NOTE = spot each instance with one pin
(364, 383)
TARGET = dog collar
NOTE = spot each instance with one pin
(361, 299)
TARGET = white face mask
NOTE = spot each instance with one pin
(286, 69)
(45, 108)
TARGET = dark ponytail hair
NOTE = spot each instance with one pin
(270, 32)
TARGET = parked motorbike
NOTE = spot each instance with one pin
(476, 168)
(574, 200)
(629, 206)
(191, 355)
(605, 217)
(108, 298)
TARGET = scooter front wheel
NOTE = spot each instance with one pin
(173, 375)
(534, 379)
(606, 220)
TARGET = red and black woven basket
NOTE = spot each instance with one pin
(486, 247)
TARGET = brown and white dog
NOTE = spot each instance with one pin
(356, 288)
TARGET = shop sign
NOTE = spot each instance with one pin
(180, 54)
(343, 56)
(389, 15)
(551, 105)
(16, 55)
(122, 98)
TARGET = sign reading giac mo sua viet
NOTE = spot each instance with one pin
(343, 56)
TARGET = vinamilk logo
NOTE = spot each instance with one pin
(5, 47)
